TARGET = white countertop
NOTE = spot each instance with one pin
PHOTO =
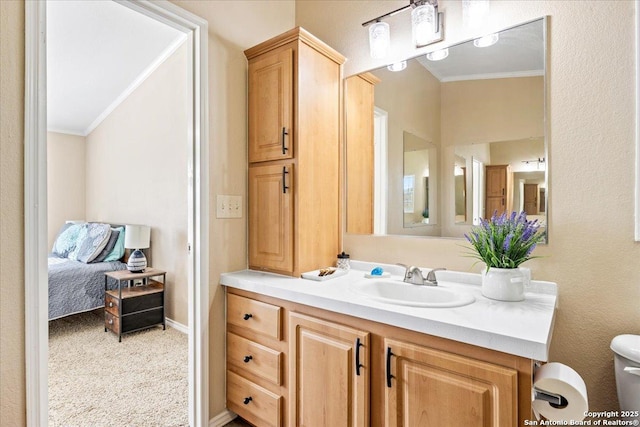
(521, 328)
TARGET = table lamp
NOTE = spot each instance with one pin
(137, 237)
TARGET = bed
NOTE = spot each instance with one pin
(80, 257)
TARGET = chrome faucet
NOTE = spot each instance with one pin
(414, 276)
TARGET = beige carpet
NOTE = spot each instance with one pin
(96, 381)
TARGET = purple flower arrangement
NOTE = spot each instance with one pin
(505, 241)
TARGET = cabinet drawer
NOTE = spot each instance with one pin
(140, 303)
(111, 304)
(111, 322)
(254, 358)
(141, 320)
(252, 402)
(257, 316)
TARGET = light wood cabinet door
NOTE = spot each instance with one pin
(271, 106)
(329, 373)
(427, 387)
(271, 217)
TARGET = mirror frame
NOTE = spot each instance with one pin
(545, 125)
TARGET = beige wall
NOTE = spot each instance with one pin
(477, 111)
(591, 254)
(233, 27)
(137, 171)
(65, 180)
(12, 365)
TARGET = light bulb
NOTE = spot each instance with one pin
(379, 39)
(438, 55)
(398, 66)
(423, 24)
(486, 41)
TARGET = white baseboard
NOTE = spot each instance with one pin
(222, 418)
(175, 325)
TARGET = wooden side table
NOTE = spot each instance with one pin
(131, 308)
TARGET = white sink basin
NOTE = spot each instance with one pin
(401, 293)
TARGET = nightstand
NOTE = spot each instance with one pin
(137, 303)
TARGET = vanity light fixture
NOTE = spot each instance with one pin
(426, 27)
(398, 66)
(539, 162)
(438, 55)
(379, 39)
(486, 41)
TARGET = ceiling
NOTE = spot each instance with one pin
(519, 52)
(98, 52)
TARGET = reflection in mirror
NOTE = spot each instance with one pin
(418, 156)
(460, 189)
(480, 112)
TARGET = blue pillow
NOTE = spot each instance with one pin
(118, 249)
(67, 238)
(91, 241)
(115, 232)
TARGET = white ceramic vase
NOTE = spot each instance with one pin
(503, 284)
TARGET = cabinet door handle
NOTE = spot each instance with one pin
(503, 201)
(284, 179)
(247, 400)
(247, 316)
(284, 132)
(389, 376)
(111, 304)
(247, 359)
(358, 364)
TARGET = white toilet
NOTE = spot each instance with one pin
(627, 366)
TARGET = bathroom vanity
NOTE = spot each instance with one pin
(303, 352)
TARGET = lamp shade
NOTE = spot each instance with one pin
(379, 39)
(423, 24)
(137, 236)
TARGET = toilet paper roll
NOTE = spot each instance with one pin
(561, 379)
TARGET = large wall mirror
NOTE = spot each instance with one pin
(435, 145)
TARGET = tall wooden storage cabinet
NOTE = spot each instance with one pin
(295, 143)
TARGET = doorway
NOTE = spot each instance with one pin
(36, 245)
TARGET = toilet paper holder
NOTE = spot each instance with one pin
(554, 399)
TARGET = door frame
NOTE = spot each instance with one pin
(35, 207)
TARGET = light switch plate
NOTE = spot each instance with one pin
(228, 206)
